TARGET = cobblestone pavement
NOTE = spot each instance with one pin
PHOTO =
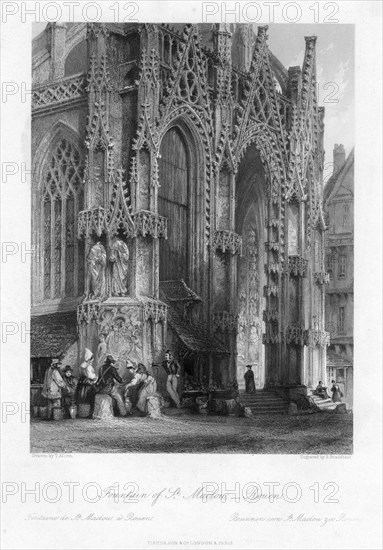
(179, 432)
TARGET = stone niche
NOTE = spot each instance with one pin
(129, 329)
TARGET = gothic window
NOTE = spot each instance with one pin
(341, 319)
(342, 267)
(173, 203)
(62, 199)
(330, 266)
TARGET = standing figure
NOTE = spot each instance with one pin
(173, 370)
(336, 393)
(85, 391)
(249, 380)
(149, 401)
(96, 279)
(53, 386)
(102, 351)
(107, 383)
(70, 391)
(119, 256)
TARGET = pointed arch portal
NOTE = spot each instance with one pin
(250, 224)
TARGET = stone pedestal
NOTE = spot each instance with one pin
(134, 329)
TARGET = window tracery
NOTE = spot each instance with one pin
(62, 199)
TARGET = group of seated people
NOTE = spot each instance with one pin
(62, 388)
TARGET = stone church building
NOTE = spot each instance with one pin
(177, 202)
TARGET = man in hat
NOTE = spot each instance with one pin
(107, 383)
(53, 386)
(249, 380)
(173, 370)
(70, 390)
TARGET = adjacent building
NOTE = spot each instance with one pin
(339, 207)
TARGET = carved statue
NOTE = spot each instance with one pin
(96, 280)
(102, 351)
(119, 256)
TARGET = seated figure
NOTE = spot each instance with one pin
(321, 390)
(149, 400)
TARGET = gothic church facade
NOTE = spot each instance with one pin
(177, 202)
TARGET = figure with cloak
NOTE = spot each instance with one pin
(249, 380)
(119, 256)
(96, 280)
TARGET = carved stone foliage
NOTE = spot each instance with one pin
(150, 224)
(271, 290)
(225, 322)
(91, 222)
(270, 314)
(227, 241)
(315, 337)
(322, 278)
(157, 311)
(272, 246)
(88, 312)
(58, 93)
(297, 266)
(295, 335)
(96, 221)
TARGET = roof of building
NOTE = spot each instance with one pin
(336, 179)
(53, 334)
(336, 360)
(178, 291)
(197, 338)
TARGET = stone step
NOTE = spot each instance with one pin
(264, 402)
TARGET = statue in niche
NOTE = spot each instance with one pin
(119, 257)
(96, 279)
(253, 342)
(102, 351)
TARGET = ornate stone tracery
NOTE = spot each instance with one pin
(232, 109)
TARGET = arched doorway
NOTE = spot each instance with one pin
(173, 203)
(250, 224)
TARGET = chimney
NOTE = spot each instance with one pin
(339, 157)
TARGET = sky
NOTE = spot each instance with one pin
(335, 74)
